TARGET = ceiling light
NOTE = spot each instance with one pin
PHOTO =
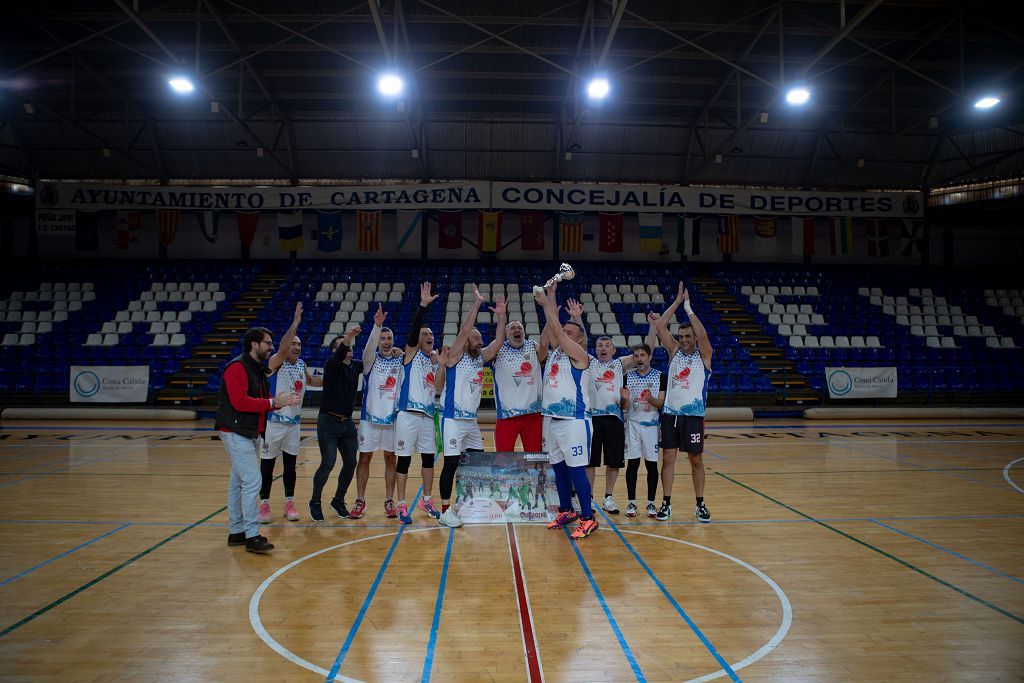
(181, 84)
(986, 102)
(390, 84)
(598, 88)
(798, 95)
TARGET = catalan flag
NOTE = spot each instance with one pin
(167, 221)
(728, 234)
(571, 226)
(368, 228)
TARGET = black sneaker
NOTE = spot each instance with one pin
(315, 513)
(702, 514)
(258, 544)
(339, 507)
(665, 512)
(236, 539)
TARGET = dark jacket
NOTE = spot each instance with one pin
(242, 422)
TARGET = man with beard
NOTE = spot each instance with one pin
(644, 394)
(682, 419)
(242, 408)
(288, 373)
(464, 365)
(382, 381)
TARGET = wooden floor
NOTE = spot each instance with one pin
(838, 552)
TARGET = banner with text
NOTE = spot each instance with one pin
(109, 383)
(58, 223)
(861, 382)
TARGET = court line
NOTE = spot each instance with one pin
(607, 611)
(63, 554)
(908, 565)
(1006, 474)
(948, 551)
(531, 650)
(672, 601)
(61, 470)
(428, 662)
(720, 457)
(900, 470)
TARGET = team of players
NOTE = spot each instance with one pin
(580, 408)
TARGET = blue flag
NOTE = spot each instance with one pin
(328, 225)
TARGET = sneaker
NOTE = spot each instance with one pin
(450, 519)
(631, 510)
(339, 507)
(259, 545)
(428, 507)
(702, 514)
(609, 506)
(290, 512)
(389, 509)
(665, 512)
(652, 511)
(563, 518)
(358, 509)
(403, 514)
(264, 515)
(315, 513)
(236, 539)
(585, 528)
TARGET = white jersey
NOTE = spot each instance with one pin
(605, 383)
(640, 387)
(687, 390)
(417, 393)
(565, 390)
(289, 377)
(382, 382)
(517, 380)
(462, 388)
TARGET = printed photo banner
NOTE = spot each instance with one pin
(484, 196)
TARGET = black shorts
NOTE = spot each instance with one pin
(683, 432)
(609, 438)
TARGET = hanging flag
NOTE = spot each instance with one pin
(449, 229)
(688, 224)
(167, 221)
(368, 229)
(766, 242)
(289, 230)
(128, 224)
(877, 233)
(610, 233)
(328, 230)
(407, 236)
(803, 236)
(87, 231)
(247, 222)
(650, 232)
(911, 237)
(489, 231)
(209, 221)
(728, 234)
(840, 235)
(531, 227)
(570, 225)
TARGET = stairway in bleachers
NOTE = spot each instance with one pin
(220, 345)
(791, 388)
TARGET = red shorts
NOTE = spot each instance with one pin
(527, 427)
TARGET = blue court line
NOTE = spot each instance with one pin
(607, 611)
(121, 450)
(343, 652)
(720, 457)
(429, 661)
(950, 552)
(668, 596)
(63, 554)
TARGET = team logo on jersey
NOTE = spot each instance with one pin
(429, 379)
(298, 386)
(389, 385)
(477, 382)
(553, 376)
(525, 370)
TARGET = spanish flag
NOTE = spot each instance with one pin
(489, 232)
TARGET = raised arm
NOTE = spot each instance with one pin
(286, 341)
(543, 343)
(576, 353)
(670, 343)
(699, 333)
(370, 350)
(575, 311)
(439, 359)
(491, 350)
(313, 380)
(652, 331)
(458, 346)
(412, 341)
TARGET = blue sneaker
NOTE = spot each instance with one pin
(403, 514)
(428, 507)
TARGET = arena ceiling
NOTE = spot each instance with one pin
(496, 91)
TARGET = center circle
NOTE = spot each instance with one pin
(261, 631)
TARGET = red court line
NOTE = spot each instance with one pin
(536, 675)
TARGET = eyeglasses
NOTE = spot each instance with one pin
(267, 341)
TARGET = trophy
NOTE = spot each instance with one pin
(565, 272)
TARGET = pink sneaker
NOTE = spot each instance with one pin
(290, 512)
(428, 507)
(358, 509)
(389, 509)
(264, 516)
(403, 514)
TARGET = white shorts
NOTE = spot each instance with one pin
(414, 433)
(460, 435)
(281, 438)
(641, 440)
(568, 440)
(374, 437)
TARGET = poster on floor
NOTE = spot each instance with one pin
(494, 488)
(861, 382)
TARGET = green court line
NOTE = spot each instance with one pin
(893, 471)
(961, 591)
